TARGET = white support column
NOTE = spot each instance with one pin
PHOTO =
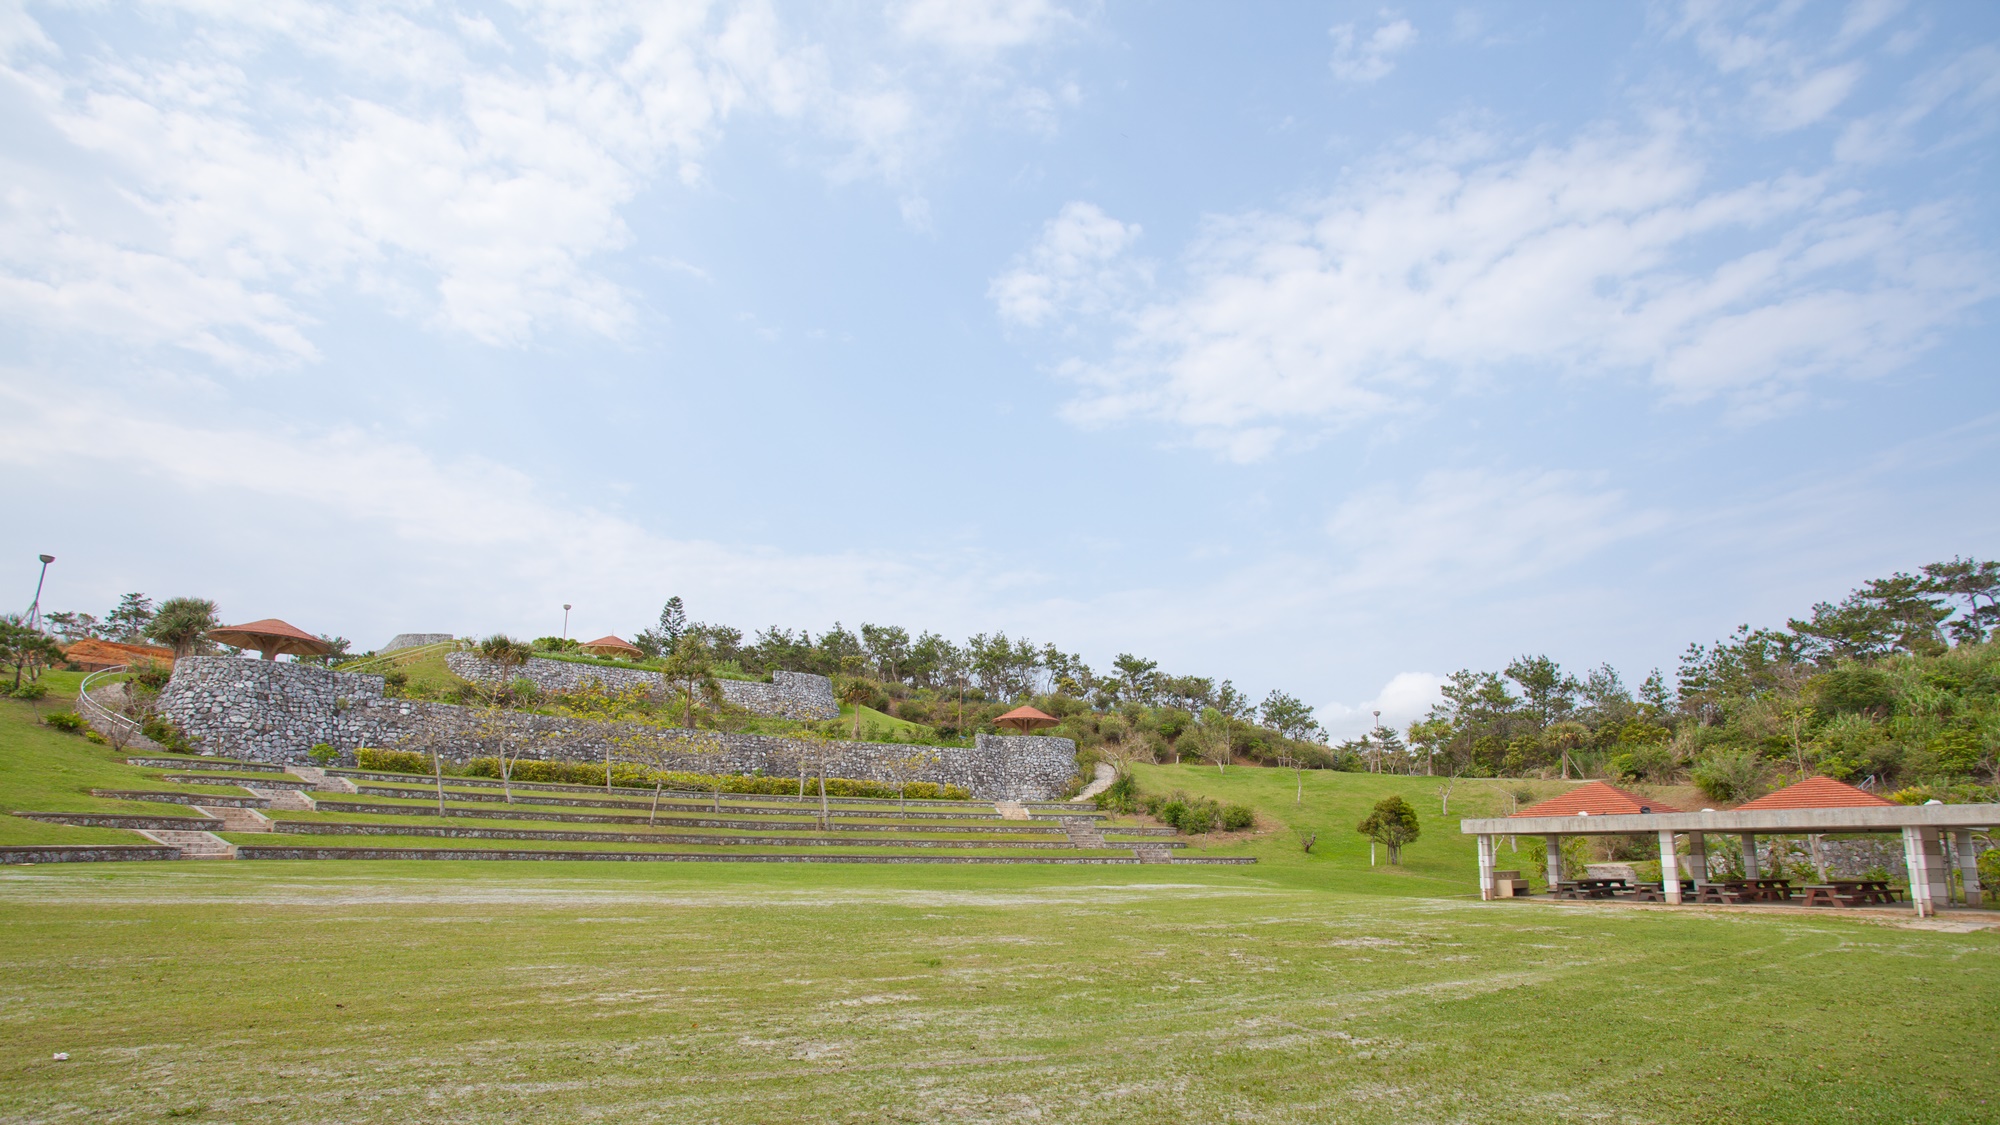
(1553, 865)
(1489, 887)
(1923, 855)
(1670, 869)
(1968, 865)
(1698, 858)
(1750, 856)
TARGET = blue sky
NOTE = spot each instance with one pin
(1327, 347)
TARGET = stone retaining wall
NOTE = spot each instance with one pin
(248, 851)
(275, 712)
(789, 695)
(85, 853)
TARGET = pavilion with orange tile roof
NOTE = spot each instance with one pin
(1814, 806)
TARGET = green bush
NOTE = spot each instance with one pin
(392, 761)
(31, 692)
(1235, 818)
(323, 755)
(167, 735)
(1191, 815)
(1122, 796)
(151, 673)
(67, 721)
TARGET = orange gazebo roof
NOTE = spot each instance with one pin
(271, 637)
(1025, 719)
(611, 646)
(1595, 798)
(1815, 793)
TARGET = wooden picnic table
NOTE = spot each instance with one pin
(1850, 892)
(1588, 888)
(1752, 890)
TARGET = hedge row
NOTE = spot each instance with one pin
(632, 776)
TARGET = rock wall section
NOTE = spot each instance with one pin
(402, 641)
(266, 711)
(789, 695)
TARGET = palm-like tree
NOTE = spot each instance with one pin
(181, 622)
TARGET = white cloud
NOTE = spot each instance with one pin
(1957, 102)
(1077, 267)
(1370, 57)
(1450, 264)
(236, 164)
(1464, 529)
(981, 25)
(1406, 698)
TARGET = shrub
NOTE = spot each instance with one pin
(68, 722)
(151, 673)
(323, 755)
(1122, 796)
(167, 735)
(1235, 818)
(31, 692)
(392, 761)
(395, 678)
(1731, 775)
(1191, 815)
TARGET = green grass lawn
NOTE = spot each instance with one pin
(1309, 988)
(396, 992)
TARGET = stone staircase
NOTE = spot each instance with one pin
(1105, 774)
(1082, 832)
(291, 799)
(238, 820)
(321, 781)
(1011, 810)
(194, 845)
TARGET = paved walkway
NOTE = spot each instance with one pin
(1105, 776)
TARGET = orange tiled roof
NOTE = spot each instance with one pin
(1595, 798)
(613, 644)
(1815, 793)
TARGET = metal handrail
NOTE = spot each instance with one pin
(98, 710)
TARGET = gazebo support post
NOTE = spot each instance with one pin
(1698, 858)
(1923, 857)
(1750, 856)
(1670, 868)
(1489, 887)
(1968, 865)
(1553, 865)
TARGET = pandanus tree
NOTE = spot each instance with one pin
(180, 623)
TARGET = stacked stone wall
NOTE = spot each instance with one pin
(269, 712)
(789, 695)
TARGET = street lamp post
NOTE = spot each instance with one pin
(35, 608)
(565, 621)
(1378, 742)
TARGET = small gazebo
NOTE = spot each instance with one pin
(271, 637)
(1023, 719)
(612, 646)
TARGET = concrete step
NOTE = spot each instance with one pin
(1011, 810)
(238, 820)
(322, 781)
(194, 845)
(1082, 833)
(291, 799)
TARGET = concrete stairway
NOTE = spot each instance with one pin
(238, 820)
(322, 781)
(1083, 833)
(194, 845)
(291, 799)
(1011, 810)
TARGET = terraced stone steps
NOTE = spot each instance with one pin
(811, 797)
(216, 800)
(204, 764)
(274, 781)
(261, 851)
(290, 799)
(239, 820)
(328, 828)
(193, 845)
(321, 780)
(130, 821)
(421, 793)
(1082, 833)
(668, 819)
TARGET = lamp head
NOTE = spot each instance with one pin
(47, 559)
